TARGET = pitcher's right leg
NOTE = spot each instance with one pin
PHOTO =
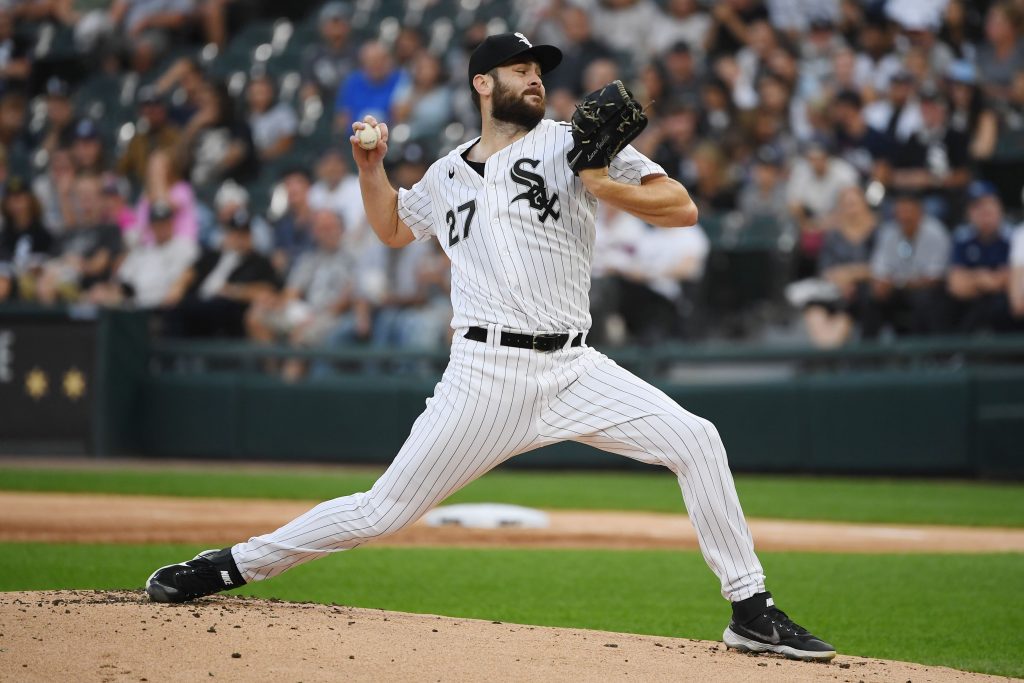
(482, 412)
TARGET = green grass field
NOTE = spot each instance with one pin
(917, 608)
(953, 610)
(853, 500)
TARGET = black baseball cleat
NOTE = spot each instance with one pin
(759, 626)
(209, 572)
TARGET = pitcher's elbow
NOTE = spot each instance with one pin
(688, 215)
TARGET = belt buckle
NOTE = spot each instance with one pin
(544, 348)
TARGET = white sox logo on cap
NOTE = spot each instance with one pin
(523, 39)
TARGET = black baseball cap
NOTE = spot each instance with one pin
(160, 211)
(499, 49)
(239, 221)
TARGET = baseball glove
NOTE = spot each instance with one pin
(605, 121)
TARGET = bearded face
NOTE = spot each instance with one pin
(517, 108)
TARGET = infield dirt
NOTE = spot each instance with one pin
(121, 636)
(96, 518)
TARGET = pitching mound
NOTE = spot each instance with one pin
(121, 636)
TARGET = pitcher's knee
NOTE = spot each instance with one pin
(382, 517)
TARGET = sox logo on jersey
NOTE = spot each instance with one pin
(520, 238)
(536, 194)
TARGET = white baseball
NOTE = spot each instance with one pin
(368, 137)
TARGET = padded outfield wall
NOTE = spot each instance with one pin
(944, 407)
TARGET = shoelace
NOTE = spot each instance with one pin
(782, 620)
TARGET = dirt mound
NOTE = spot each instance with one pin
(95, 518)
(121, 636)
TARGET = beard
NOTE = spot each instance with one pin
(515, 109)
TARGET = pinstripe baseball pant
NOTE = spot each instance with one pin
(495, 402)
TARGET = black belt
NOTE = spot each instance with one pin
(545, 343)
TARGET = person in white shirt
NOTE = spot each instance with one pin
(147, 275)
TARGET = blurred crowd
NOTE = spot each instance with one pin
(858, 164)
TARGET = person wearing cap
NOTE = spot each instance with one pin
(229, 200)
(59, 130)
(979, 272)
(518, 225)
(908, 270)
(148, 273)
(763, 196)
(87, 149)
(897, 114)
(934, 160)
(154, 131)
(328, 63)
(212, 297)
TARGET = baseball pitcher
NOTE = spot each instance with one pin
(514, 211)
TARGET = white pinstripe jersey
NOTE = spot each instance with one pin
(521, 238)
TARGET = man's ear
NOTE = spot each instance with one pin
(483, 84)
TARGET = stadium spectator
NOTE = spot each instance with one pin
(979, 272)
(337, 189)
(58, 130)
(87, 150)
(876, 63)
(162, 17)
(216, 144)
(713, 188)
(638, 276)
(1001, 55)
(150, 270)
(164, 185)
(319, 294)
(412, 310)
(579, 48)
(24, 242)
(999, 143)
(626, 25)
(232, 198)
(15, 55)
(684, 22)
(14, 140)
(212, 297)
(115, 205)
(370, 90)
(424, 101)
(293, 230)
(898, 114)
(682, 80)
(908, 267)
(860, 145)
(407, 46)
(327, 64)
(1015, 284)
(55, 189)
(181, 86)
(966, 102)
(86, 252)
(731, 20)
(273, 123)
(153, 132)
(833, 300)
(815, 182)
(933, 160)
(763, 197)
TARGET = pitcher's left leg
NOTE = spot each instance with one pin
(601, 404)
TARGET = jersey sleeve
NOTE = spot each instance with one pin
(630, 166)
(415, 208)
